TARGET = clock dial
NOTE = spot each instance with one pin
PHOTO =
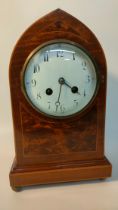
(60, 79)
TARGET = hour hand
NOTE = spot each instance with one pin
(74, 89)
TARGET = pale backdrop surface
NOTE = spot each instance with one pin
(101, 16)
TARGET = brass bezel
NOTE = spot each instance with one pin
(56, 41)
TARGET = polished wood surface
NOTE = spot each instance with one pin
(46, 142)
(73, 172)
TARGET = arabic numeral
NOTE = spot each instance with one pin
(62, 108)
(84, 65)
(76, 102)
(38, 96)
(33, 82)
(60, 54)
(84, 93)
(89, 78)
(73, 56)
(46, 57)
(36, 68)
(48, 105)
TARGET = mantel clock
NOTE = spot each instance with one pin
(58, 93)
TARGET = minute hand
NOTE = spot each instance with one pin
(57, 103)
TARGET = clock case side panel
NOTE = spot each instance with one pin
(57, 25)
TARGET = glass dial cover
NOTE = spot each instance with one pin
(59, 79)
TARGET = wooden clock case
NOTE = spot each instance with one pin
(57, 150)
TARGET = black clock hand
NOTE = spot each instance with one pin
(57, 103)
(74, 89)
(65, 83)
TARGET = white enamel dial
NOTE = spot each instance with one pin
(60, 79)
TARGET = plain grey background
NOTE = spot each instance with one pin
(101, 16)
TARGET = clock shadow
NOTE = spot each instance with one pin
(111, 132)
(64, 184)
(59, 185)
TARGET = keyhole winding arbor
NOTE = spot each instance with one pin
(50, 149)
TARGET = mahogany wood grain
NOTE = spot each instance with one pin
(41, 141)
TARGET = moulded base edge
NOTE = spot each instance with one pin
(86, 170)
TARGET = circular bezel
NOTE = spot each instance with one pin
(62, 41)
